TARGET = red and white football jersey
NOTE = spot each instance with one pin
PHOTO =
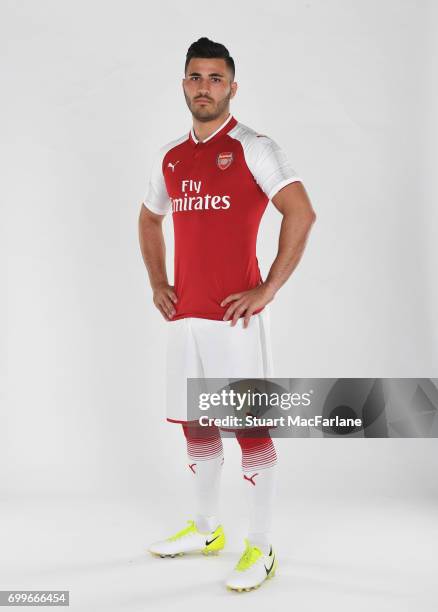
(217, 191)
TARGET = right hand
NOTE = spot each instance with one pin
(164, 299)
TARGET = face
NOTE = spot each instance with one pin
(208, 88)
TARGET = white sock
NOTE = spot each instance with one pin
(207, 476)
(259, 466)
(206, 457)
(260, 491)
(206, 524)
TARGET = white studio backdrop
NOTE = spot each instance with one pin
(90, 91)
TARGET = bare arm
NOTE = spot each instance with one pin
(298, 217)
(153, 250)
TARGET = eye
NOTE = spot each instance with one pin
(194, 78)
(216, 79)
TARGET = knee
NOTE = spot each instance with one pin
(258, 449)
(194, 431)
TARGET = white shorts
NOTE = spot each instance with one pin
(204, 348)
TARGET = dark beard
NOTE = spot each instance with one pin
(204, 115)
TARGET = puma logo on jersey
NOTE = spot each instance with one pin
(170, 165)
(250, 478)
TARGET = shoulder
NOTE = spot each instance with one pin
(256, 145)
(171, 146)
(253, 143)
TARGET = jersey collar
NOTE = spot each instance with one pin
(226, 126)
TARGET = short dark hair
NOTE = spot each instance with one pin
(204, 47)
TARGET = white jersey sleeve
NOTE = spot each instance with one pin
(270, 166)
(156, 198)
(267, 162)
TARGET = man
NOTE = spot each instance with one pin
(217, 181)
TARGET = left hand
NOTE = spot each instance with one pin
(247, 302)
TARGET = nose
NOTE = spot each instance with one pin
(203, 87)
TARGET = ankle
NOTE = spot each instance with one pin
(206, 524)
(261, 540)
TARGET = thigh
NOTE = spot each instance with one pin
(182, 362)
(235, 352)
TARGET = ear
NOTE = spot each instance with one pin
(233, 89)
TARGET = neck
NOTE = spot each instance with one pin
(204, 129)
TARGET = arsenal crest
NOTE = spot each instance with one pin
(224, 160)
